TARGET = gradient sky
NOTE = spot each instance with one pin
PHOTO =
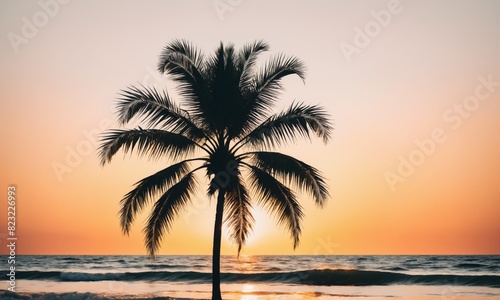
(416, 77)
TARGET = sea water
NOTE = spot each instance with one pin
(257, 277)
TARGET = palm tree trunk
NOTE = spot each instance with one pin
(216, 295)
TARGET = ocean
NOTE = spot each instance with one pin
(255, 277)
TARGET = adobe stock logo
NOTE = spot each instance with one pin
(326, 246)
(363, 36)
(222, 7)
(454, 117)
(75, 154)
(31, 26)
(86, 146)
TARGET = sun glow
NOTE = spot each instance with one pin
(249, 297)
(247, 291)
(260, 228)
(248, 288)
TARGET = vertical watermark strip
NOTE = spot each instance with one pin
(11, 238)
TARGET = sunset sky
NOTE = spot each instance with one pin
(413, 88)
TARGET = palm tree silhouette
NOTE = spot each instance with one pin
(227, 118)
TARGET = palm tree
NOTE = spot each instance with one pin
(227, 117)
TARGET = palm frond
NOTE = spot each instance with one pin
(240, 88)
(268, 81)
(299, 120)
(156, 109)
(166, 208)
(184, 48)
(292, 170)
(239, 217)
(265, 91)
(279, 199)
(185, 66)
(152, 142)
(246, 63)
(220, 79)
(145, 189)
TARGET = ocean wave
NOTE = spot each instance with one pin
(170, 266)
(6, 295)
(79, 276)
(323, 277)
(273, 269)
(470, 266)
(397, 269)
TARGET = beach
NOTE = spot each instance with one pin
(252, 292)
(258, 277)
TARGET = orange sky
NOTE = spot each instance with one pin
(423, 70)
